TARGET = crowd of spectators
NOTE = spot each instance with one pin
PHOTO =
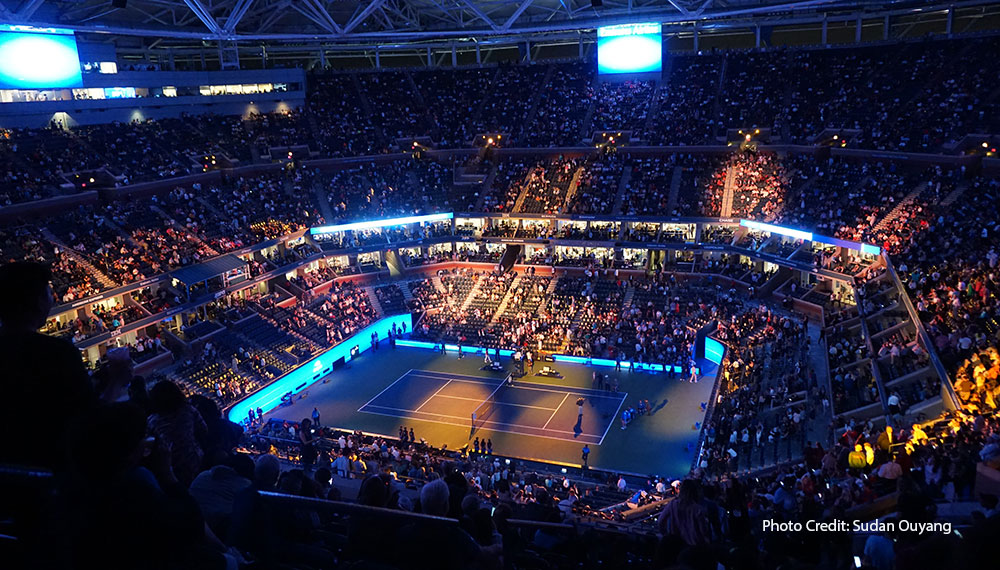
(801, 96)
(939, 226)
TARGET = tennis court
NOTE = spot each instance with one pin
(525, 408)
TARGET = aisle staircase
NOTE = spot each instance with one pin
(211, 207)
(519, 203)
(404, 286)
(436, 281)
(373, 298)
(369, 110)
(574, 185)
(627, 299)
(552, 285)
(894, 213)
(536, 97)
(729, 191)
(954, 195)
(473, 293)
(121, 231)
(79, 259)
(622, 188)
(485, 187)
(675, 189)
(324, 203)
(166, 217)
(654, 103)
(502, 307)
(418, 96)
(588, 119)
(720, 88)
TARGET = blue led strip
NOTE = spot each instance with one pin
(789, 232)
(269, 397)
(556, 357)
(865, 248)
(372, 224)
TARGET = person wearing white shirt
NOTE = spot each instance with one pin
(893, 404)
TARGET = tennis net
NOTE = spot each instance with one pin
(487, 407)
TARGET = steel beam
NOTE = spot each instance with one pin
(517, 14)
(239, 10)
(261, 14)
(29, 10)
(204, 15)
(375, 5)
(480, 14)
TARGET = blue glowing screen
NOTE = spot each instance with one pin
(38, 58)
(630, 48)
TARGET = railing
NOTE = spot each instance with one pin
(948, 395)
(323, 506)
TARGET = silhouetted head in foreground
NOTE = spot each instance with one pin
(25, 296)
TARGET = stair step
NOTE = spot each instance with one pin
(675, 188)
(728, 193)
(370, 291)
(954, 195)
(894, 213)
(183, 230)
(79, 259)
(622, 189)
(505, 301)
(473, 293)
(404, 286)
(436, 281)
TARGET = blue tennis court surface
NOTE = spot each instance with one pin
(540, 410)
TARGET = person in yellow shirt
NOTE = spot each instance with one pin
(869, 453)
(856, 458)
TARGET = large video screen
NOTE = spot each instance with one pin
(38, 58)
(629, 48)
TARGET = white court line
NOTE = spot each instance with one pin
(565, 392)
(613, 419)
(445, 385)
(419, 370)
(497, 403)
(584, 437)
(553, 390)
(466, 420)
(591, 392)
(460, 397)
(386, 388)
(556, 410)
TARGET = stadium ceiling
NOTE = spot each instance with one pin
(348, 21)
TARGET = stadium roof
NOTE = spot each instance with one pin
(348, 21)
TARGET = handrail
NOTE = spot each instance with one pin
(24, 471)
(345, 508)
(342, 507)
(948, 395)
(876, 372)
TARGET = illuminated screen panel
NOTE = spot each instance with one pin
(119, 92)
(38, 58)
(629, 48)
(714, 350)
